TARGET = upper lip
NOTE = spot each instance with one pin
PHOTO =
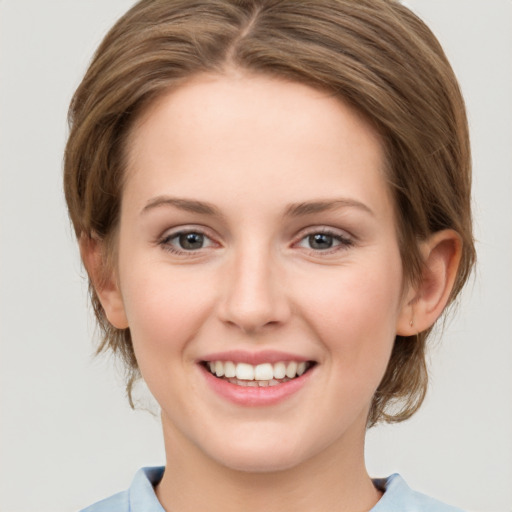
(253, 358)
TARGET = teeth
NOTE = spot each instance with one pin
(244, 371)
(301, 368)
(219, 369)
(279, 371)
(265, 374)
(259, 383)
(229, 369)
(291, 369)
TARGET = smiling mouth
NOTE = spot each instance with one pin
(261, 375)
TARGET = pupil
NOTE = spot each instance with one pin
(191, 240)
(320, 241)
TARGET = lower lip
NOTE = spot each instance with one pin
(252, 396)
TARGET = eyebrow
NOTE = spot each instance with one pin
(310, 207)
(188, 205)
(292, 210)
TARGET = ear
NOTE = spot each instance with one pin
(104, 280)
(425, 302)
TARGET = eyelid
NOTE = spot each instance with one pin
(327, 230)
(172, 233)
(346, 239)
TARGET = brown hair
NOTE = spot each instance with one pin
(374, 54)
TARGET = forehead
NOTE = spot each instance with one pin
(251, 102)
(251, 132)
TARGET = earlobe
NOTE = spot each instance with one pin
(425, 302)
(104, 280)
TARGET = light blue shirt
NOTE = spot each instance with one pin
(141, 497)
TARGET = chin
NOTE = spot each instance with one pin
(260, 458)
(258, 463)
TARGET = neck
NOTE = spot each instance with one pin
(335, 480)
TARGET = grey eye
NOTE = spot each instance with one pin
(324, 241)
(320, 241)
(191, 241)
(187, 242)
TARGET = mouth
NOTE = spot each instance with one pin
(260, 375)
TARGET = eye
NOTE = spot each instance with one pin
(190, 241)
(321, 241)
(324, 241)
(186, 241)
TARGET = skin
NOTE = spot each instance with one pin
(253, 148)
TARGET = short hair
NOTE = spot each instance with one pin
(375, 55)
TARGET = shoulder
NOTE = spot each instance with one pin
(399, 496)
(140, 497)
(119, 502)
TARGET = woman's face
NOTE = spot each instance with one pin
(257, 237)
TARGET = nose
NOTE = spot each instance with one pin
(254, 294)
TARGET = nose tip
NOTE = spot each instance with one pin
(255, 298)
(250, 321)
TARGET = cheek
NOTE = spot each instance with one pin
(355, 322)
(164, 306)
(354, 315)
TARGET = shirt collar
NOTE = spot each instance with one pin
(397, 494)
(142, 492)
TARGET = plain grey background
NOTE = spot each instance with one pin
(68, 436)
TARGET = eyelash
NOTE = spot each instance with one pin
(165, 242)
(344, 242)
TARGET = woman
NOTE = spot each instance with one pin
(272, 200)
